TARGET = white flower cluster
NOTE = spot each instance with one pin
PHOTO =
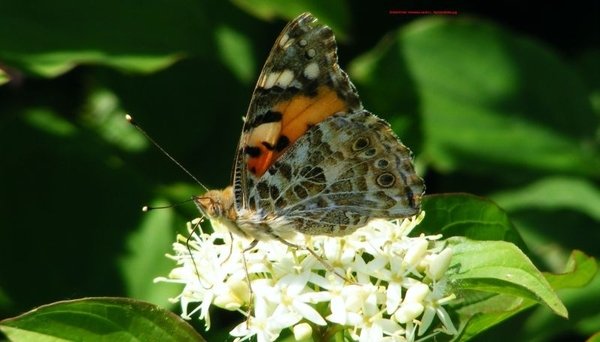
(386, 286)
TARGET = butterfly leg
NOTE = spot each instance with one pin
(251, 297)
(187, 244)
(230, 249)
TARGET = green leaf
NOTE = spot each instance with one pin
(98, 319)
(103, 113)
(49, 122)
(334, 13)
(555, 215)
(49, 38)
(495, 280)
(500, 267)
(575, 194)
(146, 258)
(4, 77)
(595, 337)
(466, 215)
(589, 69)
(579, 271)
(579, 286)
(489, 99)
(479, 311)
(236, 52)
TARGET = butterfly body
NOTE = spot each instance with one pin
(311, 160)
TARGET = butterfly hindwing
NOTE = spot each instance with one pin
(343, 172)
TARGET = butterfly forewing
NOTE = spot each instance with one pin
(299, 86)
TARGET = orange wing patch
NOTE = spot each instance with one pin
(269, 140)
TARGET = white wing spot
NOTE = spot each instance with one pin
(289, 42)
(269, 81)
(281, 79)
(303, 42)
(311, 71)
(283, 40)
(311, 53)
(285, 78)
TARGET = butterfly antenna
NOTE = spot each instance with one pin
(135, 124)
(148, 208)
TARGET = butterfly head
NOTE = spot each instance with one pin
(218, 206)
(215, 204)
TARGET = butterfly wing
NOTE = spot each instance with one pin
(310, 159)
(345, 171)
(300, 85)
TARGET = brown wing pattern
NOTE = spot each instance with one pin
(300, 85)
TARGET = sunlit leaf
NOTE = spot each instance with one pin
(50, 38)
(469, 216)
(554, 193)
(489, 99)
(334, 13)
(98, 319)
(495, 280)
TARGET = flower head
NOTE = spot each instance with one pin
(375, 284)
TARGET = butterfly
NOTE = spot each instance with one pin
(310, 159)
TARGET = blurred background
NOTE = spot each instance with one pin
(502, 102)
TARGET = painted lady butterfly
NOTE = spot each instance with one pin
(310, 158)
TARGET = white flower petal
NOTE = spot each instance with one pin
(416, 252)
(428, 315)
(439, 264)
(309, 313)
(372, 333)
(417, 293)
(393, 298)
(302, 331)
(292, 289)
(445, 318)
(408, 312)
(338, 311)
